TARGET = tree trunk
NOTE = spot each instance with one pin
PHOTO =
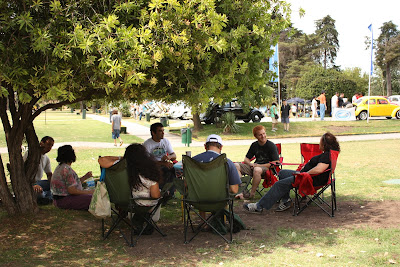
(196, 122)
(388, 80)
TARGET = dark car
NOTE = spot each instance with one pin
(215, 111)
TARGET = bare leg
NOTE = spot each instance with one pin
(256, 180)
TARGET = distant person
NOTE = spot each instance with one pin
(116, 121)
(66, 186)
(322, 105)
(334, 102)
(294, 110)
(354, 98)
(281, 189)
(42, 187)
(341, 100)
(314, 107)
(161, 149)
(285, 111)
(274, 116)
(264, 152)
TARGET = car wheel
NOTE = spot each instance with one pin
(388, 118)
(363, 115)
(256, 117)
(398, 115)
(246, 120)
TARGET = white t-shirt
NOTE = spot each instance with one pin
(44, 166)
(158, 149)
(144, 191)
(314, 104)
(334, 101)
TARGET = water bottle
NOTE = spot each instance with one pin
(90, 183)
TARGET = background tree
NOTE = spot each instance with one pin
(317, 79)
(328, 42)
(388, 52)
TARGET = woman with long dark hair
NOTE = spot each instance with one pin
(317, 166)
(143, 171)
(66, 186)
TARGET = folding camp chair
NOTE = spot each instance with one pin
(117, 182)
(269, 178)
(207, 190)
(318, 197)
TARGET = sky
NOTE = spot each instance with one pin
(352, 20)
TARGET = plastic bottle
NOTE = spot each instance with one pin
(90, 183)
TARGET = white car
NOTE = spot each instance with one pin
(395, 99)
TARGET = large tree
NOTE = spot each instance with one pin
(388, 52)
(328, 44)
(67, 51)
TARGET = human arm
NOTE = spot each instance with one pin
(72, 190)
(234, 188)
(155, 191)
(320, 168)
(108, 161)
(49, 175)
(86, 176)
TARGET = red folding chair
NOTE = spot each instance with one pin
(318, 197)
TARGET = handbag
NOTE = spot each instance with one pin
(276, 116)
(100, 205)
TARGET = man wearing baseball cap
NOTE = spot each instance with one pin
(213, 148)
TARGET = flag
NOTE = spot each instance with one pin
(274, 64)
(372, 47)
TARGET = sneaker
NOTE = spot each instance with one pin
(284, 205)
(252, 207)
(120, 143)
(273, 130)
(115, 144)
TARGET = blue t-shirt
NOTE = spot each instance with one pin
(210, 155)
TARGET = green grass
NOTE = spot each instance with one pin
(69, 127)
(72, 238)
(306, 128)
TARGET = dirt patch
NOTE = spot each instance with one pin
(339, 129)
(169, 249)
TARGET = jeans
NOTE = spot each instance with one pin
(280, 190)
(322, 109)
(46, 193)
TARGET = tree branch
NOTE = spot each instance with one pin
(56, 105)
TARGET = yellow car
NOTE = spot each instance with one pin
(379, 106)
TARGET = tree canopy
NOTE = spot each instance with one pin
(66, 51)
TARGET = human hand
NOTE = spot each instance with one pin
(37, 188)
(88, 175)
(165, 158)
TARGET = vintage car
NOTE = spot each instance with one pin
(215, 111)
(379, 106)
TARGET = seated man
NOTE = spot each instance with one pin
(213, 148)
(42, 187)
(161, 149)
(281, 189)
(265, 152)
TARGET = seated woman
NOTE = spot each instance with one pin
(281, 189)
(66, 186)
(143, 171)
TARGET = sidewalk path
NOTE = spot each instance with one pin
(143, 132)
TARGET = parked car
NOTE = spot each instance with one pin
(395, 99)
(379, 106)
(215, 111)
(179, 111)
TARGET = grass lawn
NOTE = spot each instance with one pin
(304, 128)
(72, 238)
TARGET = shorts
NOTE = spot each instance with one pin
(285, 120)
(115, 133)
(274, 120)
(245, 169)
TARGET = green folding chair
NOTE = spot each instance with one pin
(207, 189)
(117, 182)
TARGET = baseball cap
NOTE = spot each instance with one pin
(214, 138)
